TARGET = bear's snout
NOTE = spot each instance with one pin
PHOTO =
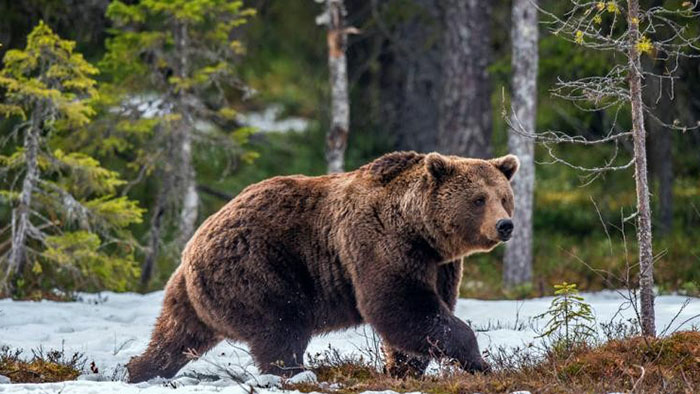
(505, 229)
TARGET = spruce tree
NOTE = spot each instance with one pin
(171, 62)
(68, 228)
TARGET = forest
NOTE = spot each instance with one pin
(124, 124)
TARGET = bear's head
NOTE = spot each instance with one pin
(469, 204)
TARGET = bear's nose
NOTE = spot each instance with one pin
(505, 229)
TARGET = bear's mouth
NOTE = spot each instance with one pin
(504, 238)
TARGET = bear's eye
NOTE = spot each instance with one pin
(479, 202)
(503, 201)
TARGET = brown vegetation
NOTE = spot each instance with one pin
(53, 366)
(664, 365)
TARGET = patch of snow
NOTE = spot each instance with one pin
(110, 328)
(4, 379)
(184, 381)
(94, 377)
(268, 120)
(146, 106)
(264, 381)
(303, 377)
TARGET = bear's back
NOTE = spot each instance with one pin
(276, 236)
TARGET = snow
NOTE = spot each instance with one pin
(303, 377)
(270, 120)
(111, 328)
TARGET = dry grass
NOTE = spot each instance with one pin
(52, 366)
(665, 365)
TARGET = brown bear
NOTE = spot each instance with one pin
(296, 256)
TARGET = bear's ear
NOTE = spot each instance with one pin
(508, 165)
(438, 166)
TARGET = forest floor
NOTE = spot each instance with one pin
(109, 328)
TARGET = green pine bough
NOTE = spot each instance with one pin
(69, 228)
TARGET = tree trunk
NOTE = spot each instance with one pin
(661, 141)
(465, 104)
(660, 144)
(337, 138)
(411, 79)
(186, 176)
(154, 236)
(517, 263)
(646, 262)
(21, 214)
(190, 199)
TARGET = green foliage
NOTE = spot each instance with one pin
(153, 38)
(288, 64)
(181, 53)
(285, 63)
(180, 59)
(79, 229)
(84, 252)
(47, 71)
(569, 319)
(83, 174)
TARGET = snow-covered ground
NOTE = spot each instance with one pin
(111, 328)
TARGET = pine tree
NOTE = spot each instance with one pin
(68, 229)
(569, 318)
(179, 55)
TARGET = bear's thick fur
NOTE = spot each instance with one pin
(296, 256)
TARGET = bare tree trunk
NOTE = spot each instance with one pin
(411, 78)
(517, 262)
(154, 236)
(20, 215)
(337, 138)
(186, 177)
(190, 199)
(660, 152)
(661, 141)
(646, 262)
(465, 105)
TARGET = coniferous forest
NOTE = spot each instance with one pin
(125, 124)
(162, 113)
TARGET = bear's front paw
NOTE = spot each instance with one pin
(478, 365)
(400, 366)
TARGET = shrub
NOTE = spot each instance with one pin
(51, 366)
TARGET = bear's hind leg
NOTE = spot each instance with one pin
(280, 352)
(178, 331)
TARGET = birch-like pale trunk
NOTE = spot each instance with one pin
(186, 176)
(337, 137)
(190, 199)
(178, 178)
(646, 257)
(21, 213)
(517, 262)
(465, 104)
